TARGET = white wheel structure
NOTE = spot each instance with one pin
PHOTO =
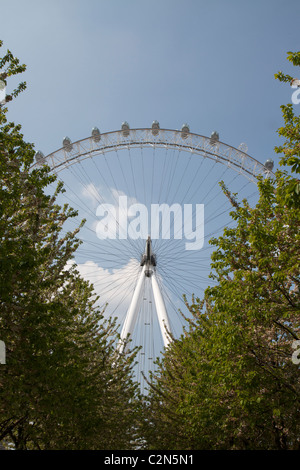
(151, 201)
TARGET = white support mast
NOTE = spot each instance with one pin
(134, 306)
(161, 311)
(148, 263)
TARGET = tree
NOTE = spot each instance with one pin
(291, 132)
(229, 382)
(63, 385)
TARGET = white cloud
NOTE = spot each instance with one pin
(92, 193)
(115, 287)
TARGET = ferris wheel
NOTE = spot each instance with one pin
(152, 202)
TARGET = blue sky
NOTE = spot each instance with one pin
(100, 62)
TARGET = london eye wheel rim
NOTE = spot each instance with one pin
(171, 138)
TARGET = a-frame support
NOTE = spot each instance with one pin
(148, 263)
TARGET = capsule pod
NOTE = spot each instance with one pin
(243, 147)
(155, 127)
(269, 165)
(214, 138)
(39, 157)
(125, 129)
(185, 129)
(96, 134)
(67, 144)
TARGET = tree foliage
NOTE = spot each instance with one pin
(229, 382)
(63, 385)
(290, 149)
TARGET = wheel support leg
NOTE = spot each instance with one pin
(161, 311)
(132, 312)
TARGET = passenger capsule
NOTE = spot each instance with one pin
(214, 138)
(185, 131)
(155, 127)
(96, 134)
(67, 144)
(125, 129)
(39, 157)
(269, 165)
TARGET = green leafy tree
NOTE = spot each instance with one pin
(229, 382)
(63, 385)
(290, 149)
